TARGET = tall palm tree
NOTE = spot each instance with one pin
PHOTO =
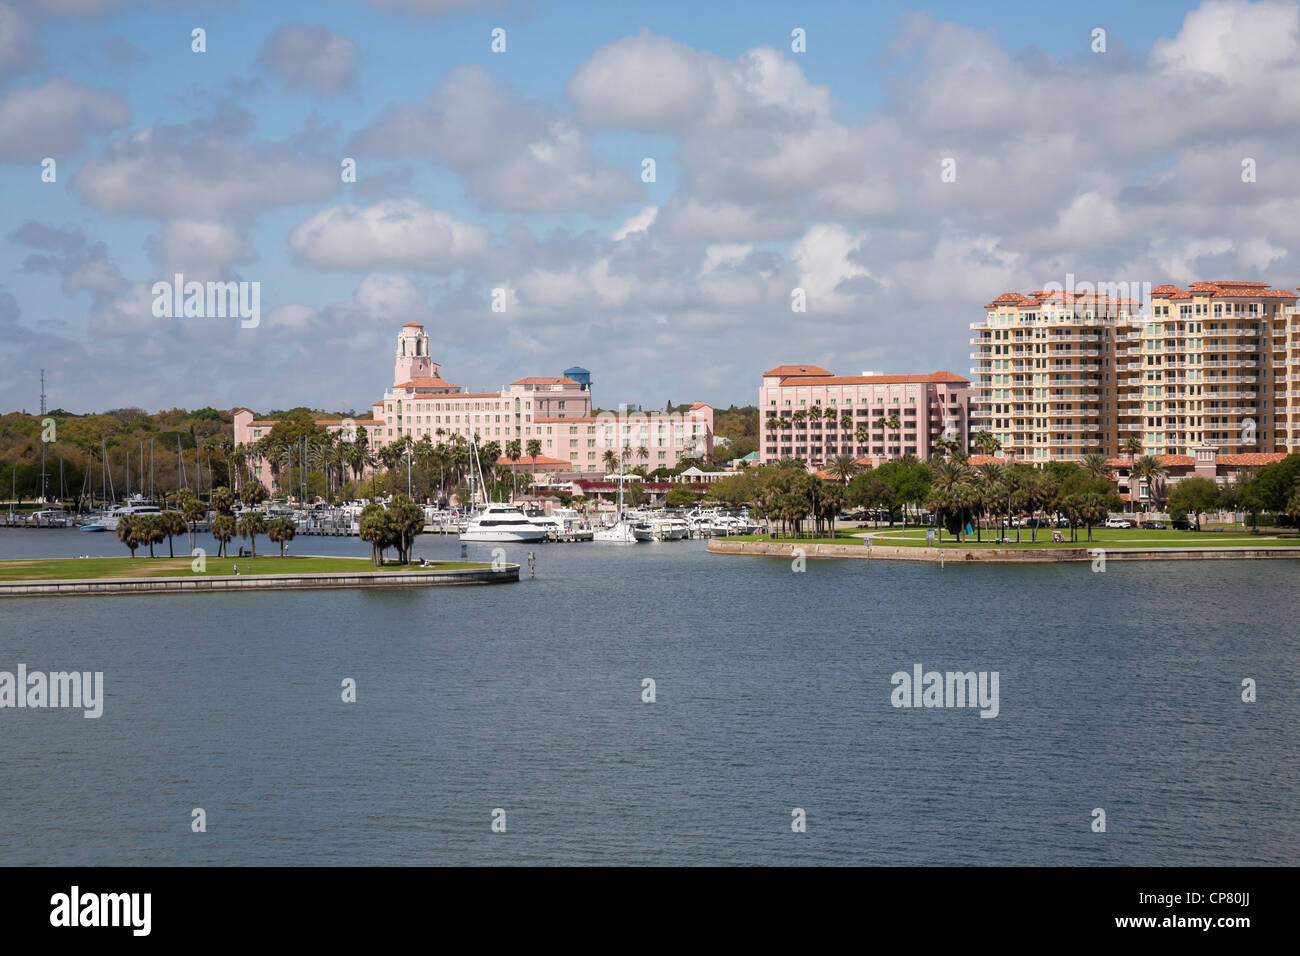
(513, 451)
(1153, 471)
(952, 492)
(863, 436)
(1133, 446)
(894, 424)
(989, 478)
(1096, 465)
(843, 468)
(986, 443)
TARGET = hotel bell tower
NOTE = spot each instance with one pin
(413, 355)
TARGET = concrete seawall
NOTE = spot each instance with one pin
(962, 555)
(203, 584)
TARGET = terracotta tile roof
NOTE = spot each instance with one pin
(787, 370)
(1010, 298)
(1079, 298)
(583, 418)
(545, 381)
(1041, 297)
(1222, 289)
(263, 423)
(933, 377)
(976, 460)
(1252, 458)
(426, 383)
(413, 325)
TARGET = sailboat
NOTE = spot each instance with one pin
(497, 522)
(622, 531)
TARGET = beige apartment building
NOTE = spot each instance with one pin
(1216, 364)
(1062, 374)
(1045, 374)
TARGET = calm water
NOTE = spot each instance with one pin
(1118, 690)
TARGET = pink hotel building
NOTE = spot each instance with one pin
(927, 407)
(554, 411)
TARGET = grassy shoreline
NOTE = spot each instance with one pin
(1114, 538)
(87, 569)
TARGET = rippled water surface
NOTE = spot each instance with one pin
(1119, 691)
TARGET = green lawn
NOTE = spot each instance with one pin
(51, 569)
(1115, 537)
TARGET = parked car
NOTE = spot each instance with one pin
(1061, 523)
(1118, 523)
(1182, 524)
(1155, 526)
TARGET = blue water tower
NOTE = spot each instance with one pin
(579, 375)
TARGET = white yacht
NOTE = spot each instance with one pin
(502, 523)
(560, 520)
(624, 531)
(114, 516)
(665, 527)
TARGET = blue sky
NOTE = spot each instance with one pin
(521, 171)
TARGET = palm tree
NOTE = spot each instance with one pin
(610, 459)
(986, 443)
(376, 531)
(280, 531)
(513, 450)
(223, 500)
(893, 423)
(1153, 470)
(843, 468)
(223, 529)
(846, 420)
(127, 532)
(989, 478)
(862, 434)
(193, 511)
(952, 492)
(253, 494)
(422, 451)
(173, 523)
(251, 524)
(643, 453)
(152, 529)
(1133, 446)
(1096, 465)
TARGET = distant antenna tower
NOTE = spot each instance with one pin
(42, 436)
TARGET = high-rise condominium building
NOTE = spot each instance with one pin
(1045, 373)
(1214, 364)
(1062, 374)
